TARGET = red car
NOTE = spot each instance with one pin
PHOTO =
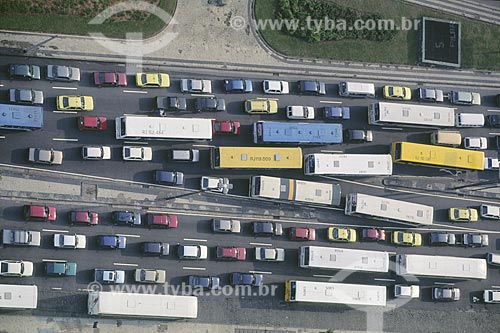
(373, 235)
(86, 217)
(163, 220)
(300, 234)
(39, 213)
(225, 127)
(231, 253)
(92, 123)
(110, 79)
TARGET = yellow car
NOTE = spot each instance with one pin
(406, 238)
(75, 103)
(346, 235)
(261, 105)
(399, 93)
(463, 214)
(152, 80)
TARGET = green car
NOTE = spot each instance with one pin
(60, 268)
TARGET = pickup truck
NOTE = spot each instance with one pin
(21, 237)
(216, 184)
(109, 276)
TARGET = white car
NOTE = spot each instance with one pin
(130, 153)
(276, 87)
(150, 275)
(299, 112)
(75, 241)
(193, 252)
(196, 86)
(96, 152)
(269, 254)
(491, 163)
(216, 184)
(45, 156)
(489, 212)
(473, 142)
(403, 291)
(16, 268)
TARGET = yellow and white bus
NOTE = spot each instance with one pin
(456, 158)
(255, 158)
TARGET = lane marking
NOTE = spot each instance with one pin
(53, 260)
(127, 235)
(323, 276)
(493, 110)
(261, 244)
(56, 288)
(331, 151)
(391, 253)
(65, 88)
(388, 280)
(79, 289)
(202, 95)
(68, 112)
(204, 146)
(136, 142)
(195, 240)
(495, 286)
(64, 139)
(331, 102)
(124, 264)
(194, 268)
(2, 136)
(1, 85)
(55, 230)
(393, 128)
(135, 91)
(260, 272)
(444, 283)
(494, 133)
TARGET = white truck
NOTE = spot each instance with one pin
(21, 237)
(216, 184)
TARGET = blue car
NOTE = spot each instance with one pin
(62, 268)
(112, 242)
(126, 217)
(238, 86)
(246, 279)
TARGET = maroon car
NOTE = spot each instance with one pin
(226, 127)
(110, 79)
(92, 123)
(39, 213)
(231, 253)
(373, 235)
(163, 220)
(85, 217)
(301, 234)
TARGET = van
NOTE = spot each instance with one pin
(469, 120)
(356, 89)
(491, 296)
(493, 259)
(465, 98)
(446, 138)
(184, 155)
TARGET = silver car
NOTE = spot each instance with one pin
(45, 156)
(269, 254)
(96, 153)
(26, 96)
(226, 226)
(62, 73)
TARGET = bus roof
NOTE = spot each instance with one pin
(289, 132)
(441, 266)
(411, 115)
(437, 155)
(256, 158)
(339, 293)
(18, 296)
(388, 209)
(343, 259)
(144, 305)
(348, 164)
(21, 116)
(163, 128)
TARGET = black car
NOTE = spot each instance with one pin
(493, 120)
(312, 88)
(126, 217)
(169, 177)
(205, 282)
(246, 279)
(359, 135)
(211, 104)
(443, 238)
(155, 249)
(24, 72)
(238, 86)
(267, 228)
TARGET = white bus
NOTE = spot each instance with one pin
(101, 303)
(441, 267)
(334, 293)
(163, 128)
(411, 115)
(370, 206)
(13, 296)
(343, 259)
(348, 164)
(295, 190)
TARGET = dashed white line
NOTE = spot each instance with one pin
(65, 88)
(495, 287)
(135, 91)
(391, 253)
(131, 236)
(493, 110)
(54, 230)
(260, 272)
(53, 260)
(331, 151)
(195, 240)
(1, 85)
(204, 146)
(64, 139)
(445, 283)
(136, 142)
(80, 289)
(393, 128)
(494, 133)
(2, 136)
(124, 264)
(56, 288)
(388, 280)
(261, 244)
(68, 112)
(331, 102)
(194, 268)
(202, 95)
(323, 276)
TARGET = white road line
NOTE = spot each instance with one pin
(202, 95)
(1, 85)
(261, 244)
(203, 146)
(124, 264)
(67, 112)
(135, 91)
(393, 128)
(331, 151)
(388, 280)
(126, 235)
(445, 283)
(53, 260)
(194, 268)
(64, 139)
(494, 133)
(493, 110)
(65, 88)
(260, 272)
(331, 102)
(495, 286)
(195, 240)
(80, 289)
(54, 230)
(136, 142)
(2, 136)
(323, 276)
(56, 288)
(391, 253)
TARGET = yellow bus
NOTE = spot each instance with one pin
(255, 158)
(409, 152)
